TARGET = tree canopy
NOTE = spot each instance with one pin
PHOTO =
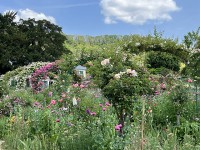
(28, 41)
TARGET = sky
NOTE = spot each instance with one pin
(174, 18)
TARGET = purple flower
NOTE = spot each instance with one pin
(104, 109)
(88, 111)
(50, 94)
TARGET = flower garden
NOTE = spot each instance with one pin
(139, 94)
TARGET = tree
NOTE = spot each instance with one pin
(192, 39)
(28, 41)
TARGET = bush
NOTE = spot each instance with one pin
(162, 59)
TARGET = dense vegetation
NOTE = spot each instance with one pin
(140, 92)
(27, 41)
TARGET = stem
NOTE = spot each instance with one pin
(143, 111)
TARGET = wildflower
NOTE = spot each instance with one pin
(156, 92)
(100, 105)
(82, 86)
(90, 63)
(149, 110)
(13, 119)
(96, 96)
(128, 71)
(53, 102)
(117, 76)
(57, 120)
(64, 109)
(50, 94)
(74, 101)
(63, 95)
(118, 127)
(133, 73)
(104, 109)
(189, 80)
(7, 96)
(93, 113)
(60, 100)
(75, 85)
(88, 111)
(107, 104)
(36, 104)
(105, 62)
(163, 86)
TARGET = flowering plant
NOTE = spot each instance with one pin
(120, 80)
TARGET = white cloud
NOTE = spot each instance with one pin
(27, 13)
(137, 11)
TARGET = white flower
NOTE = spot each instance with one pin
(134, 73)
(128, 71)
(105, 62)
(74, 101)
(64, 109)
(117, 76)
(137, 44)
(121, 73)
(131, 72)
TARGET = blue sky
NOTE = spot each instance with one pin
(121, 17)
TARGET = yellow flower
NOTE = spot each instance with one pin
(13, 119)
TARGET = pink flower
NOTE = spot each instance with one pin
(60, 100)
(104, 109)
(75, 85)
(93, 113)
(118, 127)
(63, 95)
(82, 86)
(107, 104)
(57, 120)
(96, 96)
(163, 86)
(36, 103)
(53, 102)
(50, 94)
(100, 105)
(189, 80)
(156, 92)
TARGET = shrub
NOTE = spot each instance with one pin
(162, 59)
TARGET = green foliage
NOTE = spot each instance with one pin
(165, 107)
(24, 42)
(162, 59)
(148, 43)
(191, 40)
